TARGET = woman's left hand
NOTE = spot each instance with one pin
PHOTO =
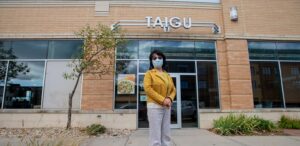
(167, 102)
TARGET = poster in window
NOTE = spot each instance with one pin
(126, 84)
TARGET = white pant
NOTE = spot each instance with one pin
(159, 126)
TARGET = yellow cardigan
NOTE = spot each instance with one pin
(157, 85)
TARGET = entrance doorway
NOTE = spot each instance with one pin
(184, 108)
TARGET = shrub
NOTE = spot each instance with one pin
(289, 123)
(242, 125)
(95, 129)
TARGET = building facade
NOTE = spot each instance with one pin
(225, 56)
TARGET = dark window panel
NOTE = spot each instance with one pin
(189, 112)
(142, 99)
(267, 86)
(180, 66)
(291, 83)
(64, 49)
(208, 90)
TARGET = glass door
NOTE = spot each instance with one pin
(175, 109)
(176, 106)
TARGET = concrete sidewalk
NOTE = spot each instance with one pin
(197, 137)
(180, 137)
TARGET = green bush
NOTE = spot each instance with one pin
(289, 123)
(95, 129)
(241, 125)
(264, 125)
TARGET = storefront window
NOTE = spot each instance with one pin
(182, 57)
(24, 84)
(64, 49)
(266, 85)
(291, 83)
(208, 91)
(125, 84)
(266, 82)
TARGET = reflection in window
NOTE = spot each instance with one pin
(125, 84)
(128, 50)
(205, 50)
(6, 50)
(64, 49)
(3, 66)
(40, 49)
(291, 83)
(145, 48)
(274, 50)
(208, 85)
(171, 67)
(262, 50)
(29, 49)
(175, 49)
(144, 66)
(178, 49)
(267, 90)
(288, 51)
(24, 84)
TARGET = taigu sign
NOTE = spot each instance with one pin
(166, 23)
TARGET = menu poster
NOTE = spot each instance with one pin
(126, 84)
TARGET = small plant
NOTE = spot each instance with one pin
(289, 123)
(242, 125)
(95, 129)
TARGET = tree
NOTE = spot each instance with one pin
(97, 56)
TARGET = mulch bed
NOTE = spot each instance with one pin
(280, 132)
(58, 132)
(292, 132)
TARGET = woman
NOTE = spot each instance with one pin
(160, 92)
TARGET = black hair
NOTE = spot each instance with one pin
(159, 53)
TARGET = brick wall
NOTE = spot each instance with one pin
(234, 75)
(258, 19)
(263, 18)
